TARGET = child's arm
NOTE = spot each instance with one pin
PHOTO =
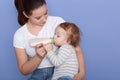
(81, 73)
(59, 58)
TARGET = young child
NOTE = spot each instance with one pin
(67, 37)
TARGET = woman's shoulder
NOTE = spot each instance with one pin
(20, 30)
(54, 21)
(56, 18)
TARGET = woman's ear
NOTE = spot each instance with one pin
(25, 15)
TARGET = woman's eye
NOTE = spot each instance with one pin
(46, 13)
(38, 18)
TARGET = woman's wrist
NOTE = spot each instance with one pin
(82, 74)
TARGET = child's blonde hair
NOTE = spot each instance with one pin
(72, 31)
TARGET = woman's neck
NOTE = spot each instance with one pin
(33, 29)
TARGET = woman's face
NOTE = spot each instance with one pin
(39, 16)
(60, 36)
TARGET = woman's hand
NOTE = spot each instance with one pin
(79, 76)
(40, 50)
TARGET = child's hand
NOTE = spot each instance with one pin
(40, 50)
(48, 47)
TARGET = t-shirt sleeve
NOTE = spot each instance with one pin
(18, 40)
(60, 20)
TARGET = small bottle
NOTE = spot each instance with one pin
(36, 41)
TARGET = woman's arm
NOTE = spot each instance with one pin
(27, 66)
(81, 74)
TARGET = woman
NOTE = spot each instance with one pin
(35, 22)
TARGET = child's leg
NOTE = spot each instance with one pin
(42, 74)
(65, 78)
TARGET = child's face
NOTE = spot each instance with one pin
(60, 36)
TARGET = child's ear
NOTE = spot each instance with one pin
(69, 41)
(25, 15)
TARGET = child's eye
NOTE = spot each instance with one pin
(58, 36)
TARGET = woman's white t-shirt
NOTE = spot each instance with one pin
(22, 37)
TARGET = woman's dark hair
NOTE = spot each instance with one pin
(72, 31)
(27, 6)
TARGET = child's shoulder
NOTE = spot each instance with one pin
(67, 46)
